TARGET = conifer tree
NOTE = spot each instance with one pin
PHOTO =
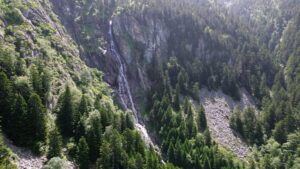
(36, 80)
(129, 122)
(207, 137)
(105, 160)
(280, 132)
(202, 118)
(66, 113)
(5, 102)
(139, 144)
(94, 137)
(37, 117)
(186, 105)
(83, 105)
(117, 151)
(55, 144)
(176, 104)
(21, 121)
(83, 154)
(20, 67)
(46, 83)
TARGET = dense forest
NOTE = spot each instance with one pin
(59, 81)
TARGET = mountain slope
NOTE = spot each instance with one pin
(156, 57)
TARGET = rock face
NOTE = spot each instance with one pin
(218, 107)
(124, 91)
(90, 34)
(150, 36)
(25, 159)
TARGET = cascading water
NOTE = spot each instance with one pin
(125, 93)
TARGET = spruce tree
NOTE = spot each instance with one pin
(129, 122)
(55, 144)
(186, 105)
(83, 154)
(207, 137)
(36, 80)
(202, 118)
(105, 160)
(37, 117)
(280, 132)
(176, 104)
(66, 113)
(139, 144)
(21, 122)
(94, 137)
(5, 102)
(83, 106)
(20, 67)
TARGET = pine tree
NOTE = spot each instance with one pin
(83, 106)
(139, 144)
(79, 129)
(129, 123)
(46, 83)
(195, 91)
(5, 102)
(21, 121)
(105, 160)
(258, 133)
(176, 104)
(206, 163)
(207, 137)
(55, 144)
(280, 132)
(97, 103)
(83, 154)
(20, 67)
(171, 156)
(183, 80)
(36, 80)
(190, 122)
(186, 105)
(66, 113)
(94, 137)
(202, 118)
(117, 151)
(37, 117)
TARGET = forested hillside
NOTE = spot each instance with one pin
(120, 83)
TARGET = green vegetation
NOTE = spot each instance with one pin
(50, 99)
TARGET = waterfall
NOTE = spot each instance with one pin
(125, 93)
(123, 86)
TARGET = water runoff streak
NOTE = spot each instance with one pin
(124, 90)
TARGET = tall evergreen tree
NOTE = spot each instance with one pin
(83, 154)
(66, 113)
(21, 122)
(207, 137)
(176, 104)
(202, 118)
(280, 132)
(55, 144)
(36, 80)
(20, 67)
(105, 160)
(83, 105)
(6, 94)
(37, 117)
(94, 137)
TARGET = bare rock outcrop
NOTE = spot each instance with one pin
(218, 108)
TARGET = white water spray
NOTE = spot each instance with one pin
(124, 90)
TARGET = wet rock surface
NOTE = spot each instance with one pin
(218, 108)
